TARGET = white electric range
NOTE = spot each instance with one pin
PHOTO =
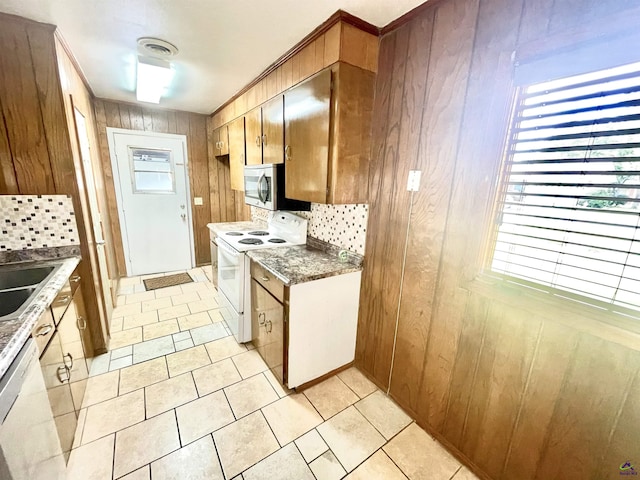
(234, 277)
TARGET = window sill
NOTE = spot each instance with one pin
(585, 318)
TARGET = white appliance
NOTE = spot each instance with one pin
(284, 229)
(264, 188)
(29, 444)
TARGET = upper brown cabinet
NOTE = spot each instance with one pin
(327, 135)
(221, 141)
(236, 151)
(265, 134)
(253, 126)
(273, 130)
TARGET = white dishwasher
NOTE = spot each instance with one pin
(29, 444)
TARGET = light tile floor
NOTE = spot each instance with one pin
(178, 397)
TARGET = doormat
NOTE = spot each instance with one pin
(167, 281)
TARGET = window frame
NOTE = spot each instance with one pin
(133, 170)
(529, 294)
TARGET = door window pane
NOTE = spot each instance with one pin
(153, 171)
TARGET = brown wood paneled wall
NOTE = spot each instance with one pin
(515, 388)
(36, 148)
(194, 126)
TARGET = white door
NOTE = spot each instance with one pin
(87, 169)
(153, 200)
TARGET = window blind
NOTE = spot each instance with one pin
(569, 212)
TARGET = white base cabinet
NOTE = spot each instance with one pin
(307, 330)
(323, 320)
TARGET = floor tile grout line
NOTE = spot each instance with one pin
(215, 447)
(113, 459)
(316, 430)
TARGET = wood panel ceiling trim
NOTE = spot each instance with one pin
(339, 16)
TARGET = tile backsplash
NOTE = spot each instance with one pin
(341, 225)
(36, 221)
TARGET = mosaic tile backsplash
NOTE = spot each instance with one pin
(36, 221)
(341, 225)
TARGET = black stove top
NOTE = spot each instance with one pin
(251, 241)
(234, 234)
(259, 233)
(277, 240)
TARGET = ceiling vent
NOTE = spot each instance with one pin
(156, 47)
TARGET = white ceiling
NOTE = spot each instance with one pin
(224, 44)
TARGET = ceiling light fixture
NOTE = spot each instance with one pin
(153, 78)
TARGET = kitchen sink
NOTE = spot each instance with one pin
(21, 283)
(12, 300)
(13, 278)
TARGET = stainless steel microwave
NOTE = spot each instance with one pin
(264, 188)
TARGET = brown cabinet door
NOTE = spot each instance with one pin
(57, 377)
(236, 153)
(220, 140)
(273, 131)
(223, 138)
(274, 327)
(253, 125)
(258, 332)
(306, 135)
(268, 328)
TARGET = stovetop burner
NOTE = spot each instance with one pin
(259, 233)
(277, 240)
(251, 241)
(234, 234)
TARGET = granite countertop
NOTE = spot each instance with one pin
(14, 333)
(305, 263)
(236, 226)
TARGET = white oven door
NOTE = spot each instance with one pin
(231, 275)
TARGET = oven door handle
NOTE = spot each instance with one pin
(262, 198)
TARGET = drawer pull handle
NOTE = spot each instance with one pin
(64, 299)
(265, 279)
(70, 361)
(82, 323)
(44, 330)
(75, 279)
(62, 369)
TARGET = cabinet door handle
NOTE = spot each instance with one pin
(265, 279)
(63, 370)
(44, 330)
(81, 323)
(258, 141)
(264, 140)
(269, 326)
(70, 361)
(64, 299)
(287, 153)
(75, 278)
(261, 318)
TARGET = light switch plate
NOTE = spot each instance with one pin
(197, 200)
(413, 184)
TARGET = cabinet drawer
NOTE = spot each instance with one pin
(268, 280)
(61, 302)
(43, 331)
